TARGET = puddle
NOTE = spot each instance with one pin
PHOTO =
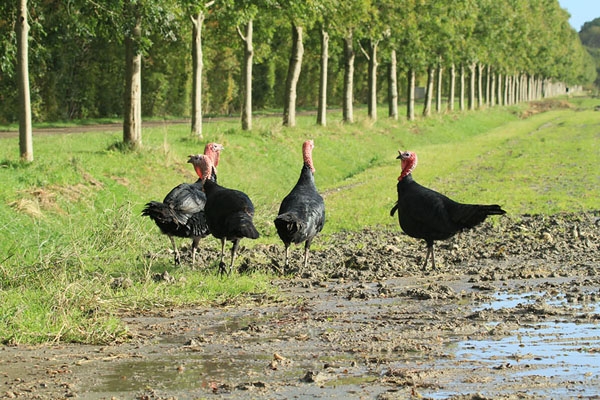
(512, 300)
(560, 351)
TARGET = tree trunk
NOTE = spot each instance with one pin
(479, 85)
(372, 80)
(322, 111)
(452, 87)
(472, 74)
(515, 89)
(507, 90)
(438, 103)
(488, 86)
(197, 65)
(429, 91)
(349, 56)
(410, 96)
(25, 129)
(492, 88)
(291, 83)
(393, 87)
(499, 89)
(132, 123)
(461, 99)
(247, 78)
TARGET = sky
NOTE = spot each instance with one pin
(581, 11)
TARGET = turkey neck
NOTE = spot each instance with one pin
(306, 175)
(405, 181)
(210, 187)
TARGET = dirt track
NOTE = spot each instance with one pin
(513, 311)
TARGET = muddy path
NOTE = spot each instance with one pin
(511, 312)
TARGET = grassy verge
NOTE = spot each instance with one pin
(75, 253)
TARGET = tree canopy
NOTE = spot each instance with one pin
(77, 63)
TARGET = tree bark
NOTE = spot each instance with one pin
(322, 109)
(438, 103)
(461, 99)
(507, 90)
(479, 85)
(393, 86)
(132, 123)
(372, 80)
(492, 88)
(429, 91)
(488, 86)
(197, 66)
(295, 65)
(452, 84)
(247, 77)
(25, 128)
(410, 96)
(472, 80)
(349, 55)
(499, 97)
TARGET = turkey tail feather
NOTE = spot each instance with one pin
(241, 225)
(156, 210)
(494, 209)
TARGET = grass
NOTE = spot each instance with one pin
(71, 227)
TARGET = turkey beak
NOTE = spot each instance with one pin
(399, 156)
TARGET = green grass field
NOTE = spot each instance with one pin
(70, 221)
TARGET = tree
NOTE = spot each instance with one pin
(301, 16)
(376, 29)
(132, 104)
(293, 75)
(322, 105)
(429, 91)
(241, 14)
(348, 96)
(350, 16)
(198, 14)
(25, 128)
(137, 20)
(247, 76)
(393, 86)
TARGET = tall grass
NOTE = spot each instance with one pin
(75, 252)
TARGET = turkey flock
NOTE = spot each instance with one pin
(204, 207)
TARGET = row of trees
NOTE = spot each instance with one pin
(92, 59)
(590, 38)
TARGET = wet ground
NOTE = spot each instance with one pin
(512, 311)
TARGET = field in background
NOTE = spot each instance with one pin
(70, 221)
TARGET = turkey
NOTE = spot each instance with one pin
(181, 213)
(302, 212)
(228, 212)
(426, 214)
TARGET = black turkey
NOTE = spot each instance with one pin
(302, 212)
(426, 214)
(181, 213)
(228, 212)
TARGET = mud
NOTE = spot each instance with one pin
(512, 311)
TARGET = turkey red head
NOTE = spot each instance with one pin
(307, 149)
(202, 165)
(409, 162)
(213, 150)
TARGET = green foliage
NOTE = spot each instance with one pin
(590, 38)
(77, 56)
(76, 253)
